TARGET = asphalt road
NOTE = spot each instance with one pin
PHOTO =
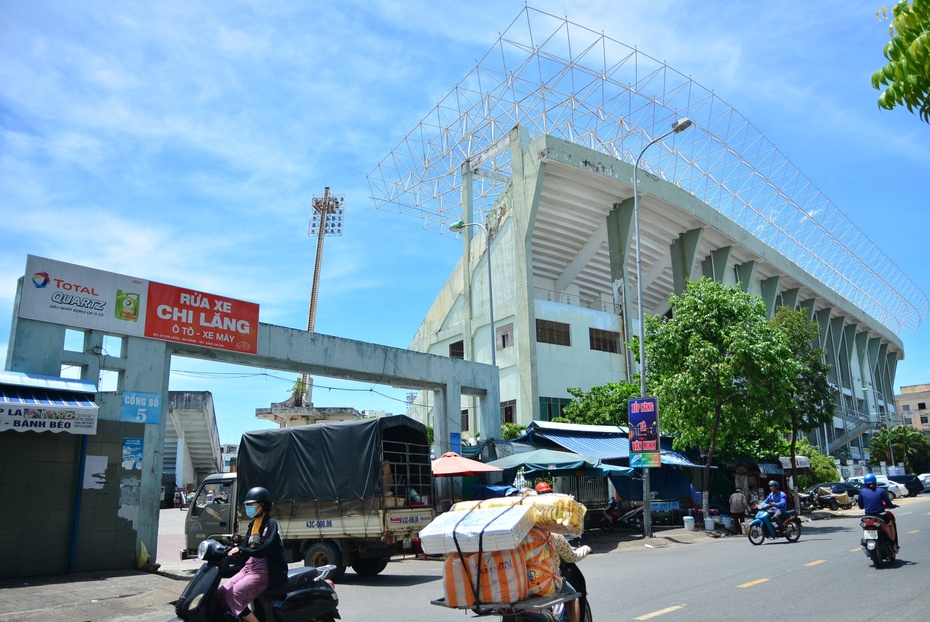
(676, 576)
(823, 576)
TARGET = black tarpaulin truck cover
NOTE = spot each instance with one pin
(326, 460)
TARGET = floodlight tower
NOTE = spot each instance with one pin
(325, 219)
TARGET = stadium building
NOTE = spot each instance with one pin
(535, 150)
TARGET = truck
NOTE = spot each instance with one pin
(351, 494)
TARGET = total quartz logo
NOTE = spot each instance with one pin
(40, 279)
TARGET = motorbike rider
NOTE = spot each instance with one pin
(874, 500)
(567, 554)
(779, 501)
(265, 566)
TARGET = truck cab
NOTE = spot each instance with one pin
(212, 512)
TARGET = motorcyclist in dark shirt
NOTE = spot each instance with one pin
(874, 500)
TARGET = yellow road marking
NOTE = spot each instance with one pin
(751, 583)
(649, 616)
(819, 561)
(854, 550)
(914, 531)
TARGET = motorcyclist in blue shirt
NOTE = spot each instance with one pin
(778, 500)
(874, 500)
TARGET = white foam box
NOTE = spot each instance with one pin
(498, 529)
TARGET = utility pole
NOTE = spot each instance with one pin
(325, 219)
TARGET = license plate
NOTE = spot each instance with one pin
(870, 534)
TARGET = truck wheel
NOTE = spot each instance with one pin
(370, 567)
(322, 554)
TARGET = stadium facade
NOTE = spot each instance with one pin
(537, 146)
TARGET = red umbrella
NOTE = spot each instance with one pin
(451, 464)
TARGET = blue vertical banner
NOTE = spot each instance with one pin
(137, 407)
(455, 442)
(644, 432)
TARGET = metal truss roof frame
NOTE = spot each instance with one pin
(557, 78)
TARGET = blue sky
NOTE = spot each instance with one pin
(182, 142)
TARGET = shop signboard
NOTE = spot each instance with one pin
(644, 432)
(82, 297)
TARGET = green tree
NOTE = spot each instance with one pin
(905, 443)
(823, 469)
(721, 371)
(602, 405)
(510, 431)
(906, 77)
(810, 399)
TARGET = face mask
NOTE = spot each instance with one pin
(251, 510)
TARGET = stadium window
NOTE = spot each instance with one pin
(557, 333)
(509, 411)
(921, 406)
(504, 336)
(604, 340)
(465, 420)
(457, 350)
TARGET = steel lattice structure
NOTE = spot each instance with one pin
(557, 78)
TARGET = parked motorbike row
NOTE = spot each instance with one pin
(824, 499)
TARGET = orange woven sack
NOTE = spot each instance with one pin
(542, 563)
(502, 578)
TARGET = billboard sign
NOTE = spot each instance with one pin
(644, 432)
(63, 293)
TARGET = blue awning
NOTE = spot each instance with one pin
(44, 398)
(770, 468)
(30, 403)
(676, 459)
(602, 447)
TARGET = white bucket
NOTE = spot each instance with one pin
(727, 521)
(689, 523)
(709, 524)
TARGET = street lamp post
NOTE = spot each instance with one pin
(679, 126)
(458, 226)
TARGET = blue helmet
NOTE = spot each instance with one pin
(773, 483)
(869, 479)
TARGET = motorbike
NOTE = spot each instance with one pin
(764, 525)
(876, 540)
(540, 608)
(306, 596)
(613, 516)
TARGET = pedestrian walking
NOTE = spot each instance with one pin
(739, 505)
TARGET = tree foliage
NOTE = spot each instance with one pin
(906, 444)
(510, 431)
(906, 77)
(823, 469)
(810, 399)
(722, 372)
(601, 405)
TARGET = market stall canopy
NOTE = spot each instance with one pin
(554, 462)
(600, 442)
(450, 464)
(32, 403)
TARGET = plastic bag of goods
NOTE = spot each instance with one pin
(501, 577)
(556, 512)
(542, 563)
